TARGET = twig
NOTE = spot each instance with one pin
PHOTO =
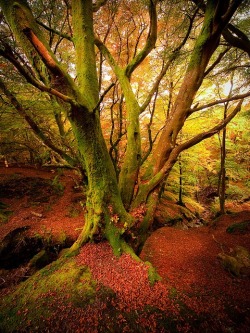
(3, 281)
(103, 95)
(221, 244)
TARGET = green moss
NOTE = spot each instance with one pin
(153, 276)
(85, 289)
(62, 282)
(238, 262)
(4, 213)
(113, 235)
(241, 227)
(230, 264)
(58, 187)
(73, 211)
(203, 37)
(45, 236)
(62, 238)
(40, 259)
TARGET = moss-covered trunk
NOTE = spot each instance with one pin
(129, 172)
(105, 213)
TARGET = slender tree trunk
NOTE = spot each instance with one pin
(166, 152)
(131, 165)
(222, 192)
(180, 202)
(222, 175)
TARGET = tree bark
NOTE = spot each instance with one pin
(104, 207)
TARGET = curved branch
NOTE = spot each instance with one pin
(217, 61)
(7, 54)
(103, 95)
(150, 43)
(61, 82)
(36, 129)
(55, 31)
(235, 4)
(202, 136)
(146, 188)
(44, 53)
(236, 38)
(224, 100)
(172, 57)
(108, 56)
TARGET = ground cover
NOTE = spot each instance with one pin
(98, 292)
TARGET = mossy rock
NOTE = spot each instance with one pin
(230, 264)
(241, 253)
(239, 228)
(238, 262)
(56, 287)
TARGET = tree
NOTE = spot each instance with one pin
(121, 199)
(222, 173)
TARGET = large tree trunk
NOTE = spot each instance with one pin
(105, 212)
(104, 207)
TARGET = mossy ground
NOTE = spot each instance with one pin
(33, 303)
(64, 297)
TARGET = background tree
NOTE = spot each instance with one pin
(133, 38)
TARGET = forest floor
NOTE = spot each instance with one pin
(196, 293)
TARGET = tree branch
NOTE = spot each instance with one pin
(240, 41)
(103, 95)
(108, 56)
(36, 129)
(235, 4)
(172, 57)
(224, 100)
(55, 31)
(165, 170)
(217, 61)
(202, 136)
(32, 80)
(236, 38)
(150, 43)
(42, 50)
